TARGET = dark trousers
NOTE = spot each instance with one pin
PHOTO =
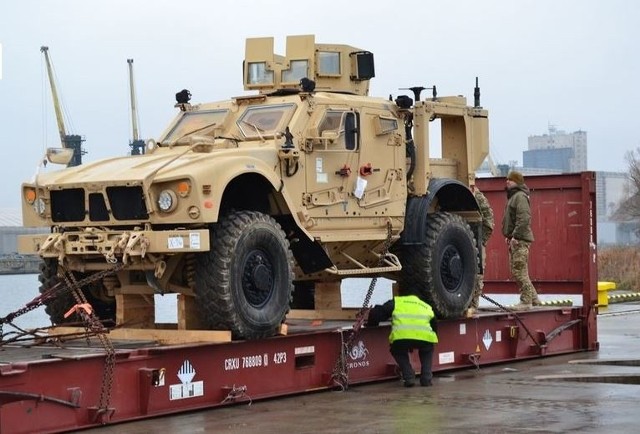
(400, 351)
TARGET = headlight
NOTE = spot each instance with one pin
(39, 206)
(167, 200)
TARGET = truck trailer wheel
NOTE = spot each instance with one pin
(442, 271)
(244, 283)
(104, 307)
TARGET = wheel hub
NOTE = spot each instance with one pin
(451, 268)
(262, 277)
(257, 278)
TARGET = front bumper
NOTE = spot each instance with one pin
(114, 246)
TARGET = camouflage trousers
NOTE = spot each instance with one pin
(519, 264)
(479, 284)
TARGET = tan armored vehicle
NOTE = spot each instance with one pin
(242, 201)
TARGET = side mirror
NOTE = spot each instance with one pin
(351, 131)
(59, 155)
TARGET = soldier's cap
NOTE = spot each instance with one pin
(516, 177)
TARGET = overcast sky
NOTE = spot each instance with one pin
(573, 64)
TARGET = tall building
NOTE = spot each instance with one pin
(611, 189)
(557, 150)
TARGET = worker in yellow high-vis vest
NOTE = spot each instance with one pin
(413, 326)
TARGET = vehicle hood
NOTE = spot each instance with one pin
(113, 171)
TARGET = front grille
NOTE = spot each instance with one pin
(125, 203)
(67, 205)
(98, 211)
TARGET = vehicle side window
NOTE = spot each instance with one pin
(331, 122)
(339, 130)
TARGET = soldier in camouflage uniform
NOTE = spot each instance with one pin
(487, 229)
(516, 227)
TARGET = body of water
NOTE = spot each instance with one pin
(16, 290)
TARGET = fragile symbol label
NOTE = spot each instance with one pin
(186, 372)
(187, 389)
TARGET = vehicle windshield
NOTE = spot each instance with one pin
(263, 121)
(196, 121)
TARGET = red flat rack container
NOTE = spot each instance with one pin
(47, 388)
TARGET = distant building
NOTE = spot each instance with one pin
(557, 159)
(559, 151)
(611, 189)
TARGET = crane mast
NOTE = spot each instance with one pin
(72, 141)
(137, 145)
(54, 92)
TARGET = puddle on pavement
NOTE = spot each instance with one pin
(612, 362)
(605, 378)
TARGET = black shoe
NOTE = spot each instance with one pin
(409, 383)
(427, 383)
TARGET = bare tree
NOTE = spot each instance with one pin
(629, 208)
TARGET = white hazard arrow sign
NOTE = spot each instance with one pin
(487, 339)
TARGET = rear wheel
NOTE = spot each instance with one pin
(244, 283)
(442, 271)
(103, 306)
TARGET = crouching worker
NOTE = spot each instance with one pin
(412, 327)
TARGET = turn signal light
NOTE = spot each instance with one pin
(184, 188)
(30, 196)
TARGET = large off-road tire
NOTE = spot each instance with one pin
(244, 283)
(103, 306)
(442, 271)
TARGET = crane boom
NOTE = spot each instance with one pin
(72, 141)
(54, 93)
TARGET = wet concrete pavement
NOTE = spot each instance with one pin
(582, 392)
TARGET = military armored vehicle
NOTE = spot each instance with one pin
(240, 202)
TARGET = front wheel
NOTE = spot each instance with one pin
(103, 305)
(442, 271)
(244, 283)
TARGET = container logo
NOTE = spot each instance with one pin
(358, 355)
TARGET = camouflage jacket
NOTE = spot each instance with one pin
(516, 222)
(487, 216)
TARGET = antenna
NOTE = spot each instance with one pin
(137, 145)
(476, 95)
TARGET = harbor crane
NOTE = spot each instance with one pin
(136, 144)
(71, 141)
